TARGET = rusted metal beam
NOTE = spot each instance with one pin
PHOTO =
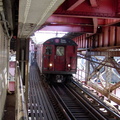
(97, 69)
(68, 28)
(68, 24)
(106, 9)
(77, 3)
(95, 22)
(93, 3)
(112, 22)
(115, 64)
(104, 92)
(107, 40)
(69, 20)
(118, 6)
(113, 87)
(103, 52)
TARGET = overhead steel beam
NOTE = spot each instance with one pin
(77, 3)
(107, 39)
(93, 3)
(67, 28)
(95, 22)
(70, 20)
(118, 3)
(86, 14)
(105, 9)
(68, 24)
(101, 52)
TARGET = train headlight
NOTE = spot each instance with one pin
(50, 65)
(69, 65)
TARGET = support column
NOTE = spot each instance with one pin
(87, 71)
(23, 59)
(27, 70)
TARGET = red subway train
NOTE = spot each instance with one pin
(57, 59)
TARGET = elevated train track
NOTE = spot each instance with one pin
(64, 102)
(93, 101)
(79, 104)
(98, 27)
(75, 109)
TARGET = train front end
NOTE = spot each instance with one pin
(59, 59)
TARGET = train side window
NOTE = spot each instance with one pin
(48, 50)
(60, 51)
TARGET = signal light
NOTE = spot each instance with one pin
(69, 65)
(50, 64)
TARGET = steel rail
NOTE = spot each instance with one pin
(61, 104)
(61, 114)
(67, 109)
(101, 103)
(95, 113)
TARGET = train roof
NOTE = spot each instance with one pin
(59, 41)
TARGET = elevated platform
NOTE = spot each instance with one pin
(9, 110)
(39, 107)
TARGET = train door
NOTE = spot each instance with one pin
(71, 61)
(59, 61)
(48, 58)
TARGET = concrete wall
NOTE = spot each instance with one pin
(3, 69)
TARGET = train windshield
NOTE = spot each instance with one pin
(48, 50)
(60, 51)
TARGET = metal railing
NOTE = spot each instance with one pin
(80, 75)
(20, 105)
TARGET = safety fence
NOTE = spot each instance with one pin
(20, 107)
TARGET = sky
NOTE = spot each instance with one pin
(41, 36)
